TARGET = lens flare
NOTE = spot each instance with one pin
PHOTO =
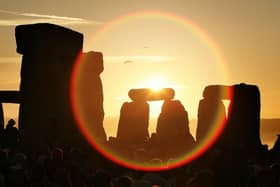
(85, 121)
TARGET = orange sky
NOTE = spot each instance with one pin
(143, 49)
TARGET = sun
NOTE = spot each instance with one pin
(156, 83)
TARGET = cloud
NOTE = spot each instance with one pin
(137, 59)
(111, 59)
(18, 18)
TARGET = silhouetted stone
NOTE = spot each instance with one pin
(172, 129)
(90, 92)
(243, 123)
(275, 151)
(217, 92)
(49, 52)
(241, 133)
(10, 96)
(1, 119)
(211, 114)
(45, 39)
(147, 94)
(133, 123)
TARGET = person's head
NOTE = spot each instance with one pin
(142, 183)
(57, 154)
(101, 178)
(203, 178)
(11, 122)
(123, 181)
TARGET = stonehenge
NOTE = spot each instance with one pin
(173, 122)
(49, 53)
(242, 124)
(148, 94)
(89, 92)
(133, 123)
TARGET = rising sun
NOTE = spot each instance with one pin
(156, 83)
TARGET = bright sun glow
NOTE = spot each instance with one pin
(156, 83)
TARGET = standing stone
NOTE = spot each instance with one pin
(173, 120)
(1, 119)
(211, 113)
(90, 92)
(172, 129)
(49, 52)
(242, 128)
(133, 123)
(243, 124)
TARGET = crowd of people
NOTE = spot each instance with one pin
(82, 166)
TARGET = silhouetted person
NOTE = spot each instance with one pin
(11, 134)
(101, 178)
(56, 169)
(123, 181)
(204, 178)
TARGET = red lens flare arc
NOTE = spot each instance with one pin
(109, 154)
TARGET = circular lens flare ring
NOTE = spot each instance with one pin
(156, 85)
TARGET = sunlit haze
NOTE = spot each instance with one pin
(178, 44)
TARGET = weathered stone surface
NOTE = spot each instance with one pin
(172, 138)
(242, 129)
(217, 92)
(133, 123)
(211, 114)
(147, 94)
(46, 38)
(243, 123)
(1, 120)
(89, 92)
(10, 96)
(49, 52)
(173, 120)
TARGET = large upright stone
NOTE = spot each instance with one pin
(90, 92)
(173, 120)
(1, 119)
(243, 123)
(49, 52)
(242, 129)
(133, 123)
(172, 131)
(211, 113)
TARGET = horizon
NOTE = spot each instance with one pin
(183, 44)
(266, 134)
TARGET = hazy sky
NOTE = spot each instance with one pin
(141, 50)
